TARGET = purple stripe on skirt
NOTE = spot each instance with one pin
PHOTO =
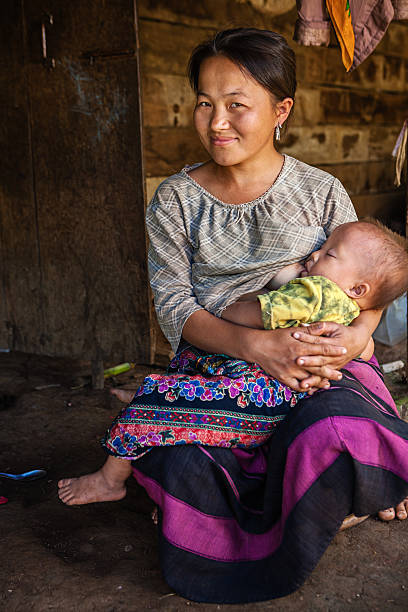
(310, 455)
(371, 380)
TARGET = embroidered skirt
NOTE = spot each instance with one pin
(250, 523)
(203, 399)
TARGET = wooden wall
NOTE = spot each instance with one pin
(344, 123)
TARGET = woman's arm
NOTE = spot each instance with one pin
(169, 261)
(276, 351)
(368, 351)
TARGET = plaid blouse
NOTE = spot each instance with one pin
(205, 254)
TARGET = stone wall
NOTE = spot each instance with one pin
(344, 123)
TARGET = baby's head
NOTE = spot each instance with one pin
(366, 259)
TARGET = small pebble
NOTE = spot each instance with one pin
(128, 547)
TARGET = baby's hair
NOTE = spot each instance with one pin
(388, 262)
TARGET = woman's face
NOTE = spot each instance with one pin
(234, 116)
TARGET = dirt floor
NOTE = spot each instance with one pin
(104, 556)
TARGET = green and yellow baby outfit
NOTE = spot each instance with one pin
(306, 300)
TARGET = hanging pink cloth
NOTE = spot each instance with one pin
(370, 20)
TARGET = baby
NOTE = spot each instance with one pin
(362, 265)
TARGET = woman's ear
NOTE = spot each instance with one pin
(359, 291)
(283, 109)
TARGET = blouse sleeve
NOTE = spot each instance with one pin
(169, 260)
(339, 208)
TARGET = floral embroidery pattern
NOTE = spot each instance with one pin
(203, 399)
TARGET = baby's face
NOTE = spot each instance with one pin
(337, 259)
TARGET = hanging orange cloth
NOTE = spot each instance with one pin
(340, 15)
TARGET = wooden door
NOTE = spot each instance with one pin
(74, 277)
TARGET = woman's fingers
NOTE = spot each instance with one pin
(326, 372)
(314, 381)
(293, 383)
(322, 342)
(322, 328)
(300, 380)
(318, 365)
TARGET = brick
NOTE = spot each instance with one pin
(271, 7)
(166, 48)
(364, 177)
(382, 141)
(356, 107)
(327, 144)
(394, 74)
(216, 14)
(394, 42)
(168, 101)
(152, 184)
(383, 206)
(167, 150)
(320, 66)
(307, 109)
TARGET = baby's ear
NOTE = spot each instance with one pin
(359, 291)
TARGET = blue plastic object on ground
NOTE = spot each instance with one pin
(32, 475)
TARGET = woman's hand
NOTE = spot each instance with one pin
(276, 351)
(353, 339)
(280, 354)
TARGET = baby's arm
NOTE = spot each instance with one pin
(247, 311)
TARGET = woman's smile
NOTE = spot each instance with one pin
(222, 141)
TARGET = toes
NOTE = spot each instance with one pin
(64, 482)
(65, 497)
(387, 515)
(402, 510)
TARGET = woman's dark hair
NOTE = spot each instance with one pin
(265, 55)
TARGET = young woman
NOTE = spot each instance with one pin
(247, 525)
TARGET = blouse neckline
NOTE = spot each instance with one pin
(243, 204)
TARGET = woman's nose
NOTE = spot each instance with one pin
(219, 120)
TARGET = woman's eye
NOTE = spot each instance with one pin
(236, 104)
(203, 103)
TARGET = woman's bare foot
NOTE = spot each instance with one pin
(88, 489)
(124, 395)
(401, 511)
(107, 484)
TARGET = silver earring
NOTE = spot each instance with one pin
(277, 131)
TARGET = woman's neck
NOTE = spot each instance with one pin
(241, 182)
